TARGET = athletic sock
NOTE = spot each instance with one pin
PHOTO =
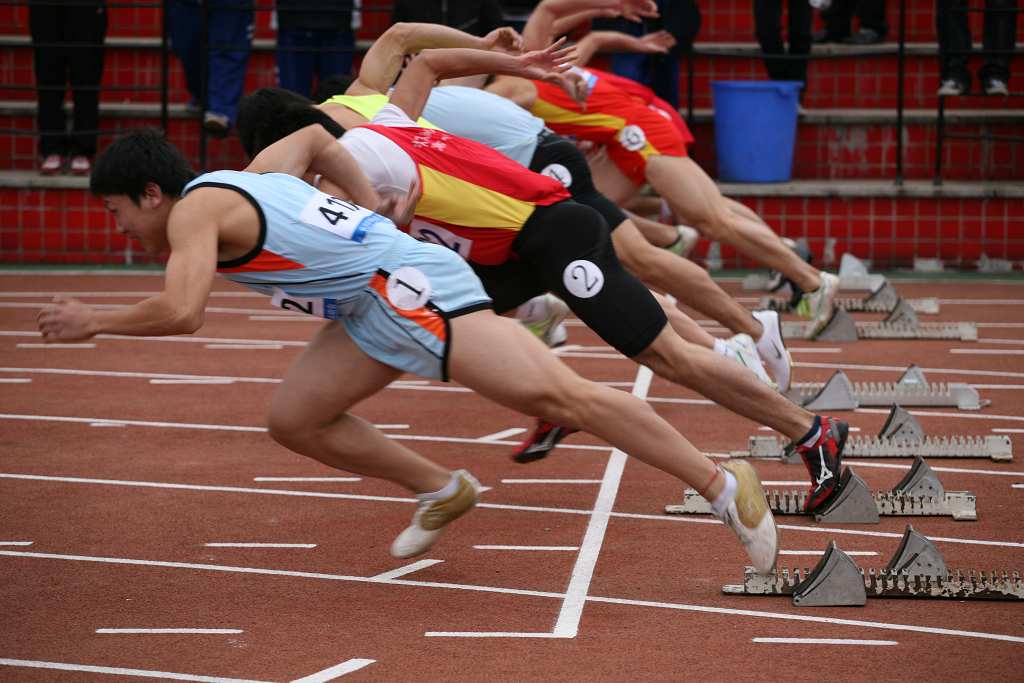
(726, 495)
(445, 491)
(722, 349)
(812, 436)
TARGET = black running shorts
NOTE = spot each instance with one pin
(566, 249)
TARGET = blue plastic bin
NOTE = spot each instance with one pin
(755, 129)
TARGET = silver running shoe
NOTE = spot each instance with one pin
(772, 349)
(551, 330)
(819, 304)
(685, 242)
(749, 516)
(432, 515)
(744, 352)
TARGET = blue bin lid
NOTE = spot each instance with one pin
(758, 85)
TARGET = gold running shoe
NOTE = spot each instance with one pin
(818, 305)
(749, 516)
(433, 514)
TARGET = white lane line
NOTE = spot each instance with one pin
(262, 545)
(903, 368)
(137, 375)
(180, 339)
(823, 641)
(118, 295)
(336, 671)
(117, 671)
(1001, 326)
(678, 519)
(526, 547)
(809, 349)
(21, 543)
(550, 481)
(56, 346)
(997, 386)
(964, 415)
(1017, 486)
(936, 468)
(784, 483)
(211, 380)
(107, 424)
(159, 631)
(707, 609)
(498, 436)
(769, 429)
(407, 569)
(985, 352)
(15, 380)
(1015, 342)
(235, 347)
(98, 421)
(983, 302)
(309, 479)
(1008, 431)
(856, 553)
(114, 307)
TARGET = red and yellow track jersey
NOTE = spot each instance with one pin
(474, 200)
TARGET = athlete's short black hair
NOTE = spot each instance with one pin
(269, 114)
(331, 86)
(139, 157)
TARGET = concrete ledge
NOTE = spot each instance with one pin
(798, 188)
(843, 117)
(132, 43)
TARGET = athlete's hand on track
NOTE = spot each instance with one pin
(554, 59)
(504, 39)
(636, 10)
(65, 319)
(659, 41)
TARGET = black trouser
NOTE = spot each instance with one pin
(955, 34)
(55, 65)
(566, 249)
(838, 17)
(768, 23)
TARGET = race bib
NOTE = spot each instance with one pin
(339, 217)
(428, 232)
(408, 288)
(321, 308)
(559, 173)
(583, 279)
(632, 138)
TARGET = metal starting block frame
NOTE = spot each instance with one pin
(901, 437)
(883, 300)
(919, 494)
(911, 389)
(917, 570)
(901, 323)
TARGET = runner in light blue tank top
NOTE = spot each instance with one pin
(324, 256)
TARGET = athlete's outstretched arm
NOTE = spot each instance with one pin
(313, 150)
(192, 233)
(384, 60)
(540, 28)
(413, 88)
(613, 41)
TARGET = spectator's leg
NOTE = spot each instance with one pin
(632, 66)
(954, 34)
(665, 81)
(185, 29)
(837, 19)
(1000, 29)
(338, 58)
(294, 67)
(46, 26)
(800, 16)
(89, 26)
(230, 44)
(871, 14)
(768, 29)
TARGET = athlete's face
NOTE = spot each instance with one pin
(143, 222)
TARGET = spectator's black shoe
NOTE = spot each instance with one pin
(822, 37)
(865, 36)
(951, 87)
(996, 86)
(216, 124)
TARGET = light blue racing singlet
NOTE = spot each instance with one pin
(487, 118)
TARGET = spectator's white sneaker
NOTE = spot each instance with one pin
(53, 163)
(434, 513)
(818, 305)
(749, 516)
(772, 348)
(685, 242)
(80, 165)
(996, 86)
(744, 352)
(950, 88)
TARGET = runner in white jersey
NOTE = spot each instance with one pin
(324, 255)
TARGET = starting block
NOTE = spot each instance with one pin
(901, 323)
(853, 276)
(839, 393)
(883, 300)
(919, 494)
(917, 570)
(901, 437)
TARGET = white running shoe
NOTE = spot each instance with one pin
(772, 349)
(819, 304)
(432, 515)
(749, 516)
(744, 352)
(549, 328)
(684, 244)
